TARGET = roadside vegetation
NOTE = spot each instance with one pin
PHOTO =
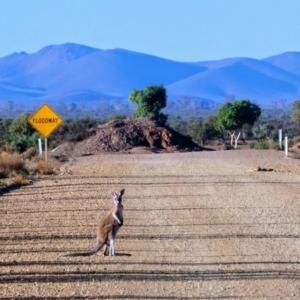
(231, 117)
(19, 158)
(240, 119)
(243, 119)
(263, 134)
(19, 168)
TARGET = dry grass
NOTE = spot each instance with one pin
(39, 165)
(294, 141)
(294, 153)
(15, 167)
(49, 167)
(30, 153)
(10, 164)
(19, 179)
(294, 145)
(297, 155)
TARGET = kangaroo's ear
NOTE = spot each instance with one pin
(122, 192)
(113, 193)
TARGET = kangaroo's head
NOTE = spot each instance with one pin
(117, 197)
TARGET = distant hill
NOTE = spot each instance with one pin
(288, 61)
(240, 77)
(76, 73)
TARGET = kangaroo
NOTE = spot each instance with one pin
(107, 229)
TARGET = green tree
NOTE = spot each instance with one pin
(210, 129)
(77, 129)
(21, 127)
(21, 134)
(5, 137)
(20, 143)
(149, 102)
(296, 111)
(203, 131)
(196, 131)
(232, 116)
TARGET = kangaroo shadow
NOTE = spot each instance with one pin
(122, 254)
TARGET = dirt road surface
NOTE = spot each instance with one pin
(201, 225)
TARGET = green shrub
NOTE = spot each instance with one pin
(263, 145)
(22, 143)
(273, 145)
(21, 127)
(78, 130)
(5, 136)
(33, 140)
(252, 145)
(196, 131)
(19, 144)
(5, 139)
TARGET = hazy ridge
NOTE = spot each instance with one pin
(73, 73)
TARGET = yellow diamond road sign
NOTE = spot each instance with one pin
(45, 120)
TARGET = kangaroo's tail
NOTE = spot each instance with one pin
(88, 253)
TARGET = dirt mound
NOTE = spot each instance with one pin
(131, 136)
(296, 146)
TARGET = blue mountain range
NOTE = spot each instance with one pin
(71, 73)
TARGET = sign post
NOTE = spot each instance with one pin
(45, 120)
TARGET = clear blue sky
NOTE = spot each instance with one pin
(182, 30)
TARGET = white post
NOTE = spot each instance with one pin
(280, 138)
(46, 151)
(40, 147)
(286, 146)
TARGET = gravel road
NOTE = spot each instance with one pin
(203, 225)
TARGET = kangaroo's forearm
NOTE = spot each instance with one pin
(120, 222)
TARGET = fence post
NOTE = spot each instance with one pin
(46, 150)
(280, 138)
(286, 146)
(40, 147)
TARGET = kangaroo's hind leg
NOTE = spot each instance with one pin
(112, 248)
(106, 249)
(113, 234)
